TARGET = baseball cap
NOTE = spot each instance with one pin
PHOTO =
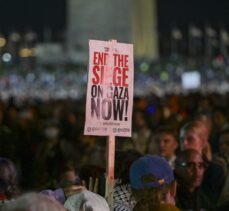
(154, 167)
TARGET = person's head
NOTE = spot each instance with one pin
(189, 169)
(8, 178)
(218, 118)
(193, 136)
(34, 202)
(152, 180)
(224, 142)
(124, 159)
(69, 175)
(86, 201)
(140, 120)
(167, 141)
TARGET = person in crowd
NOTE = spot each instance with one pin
(194, 135)
(86, 201)
(49, 157)
(34, 202)
(68, 184)
(142, 140)
(219, 121)
(153, 184)
(122, 189)
(222, 158)
(7, 137)
(8, 180)
(189, 171)
(76, 180)
(166, 139)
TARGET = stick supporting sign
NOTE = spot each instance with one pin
(110, 170)
(109, 98)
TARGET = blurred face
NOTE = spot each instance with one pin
(139, 120)
(167, 145)
(191, 171)
(69, 177)
(192, 140)
(224, 144)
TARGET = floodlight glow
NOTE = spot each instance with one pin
(25, 52)
(6, 57)
(191, 80)
(2, 42)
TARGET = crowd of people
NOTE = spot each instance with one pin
(176, 159)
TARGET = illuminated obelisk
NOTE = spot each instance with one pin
(127, 21)
(144, 26)
(96, 19)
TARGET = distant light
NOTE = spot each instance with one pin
(30, 36)
(33, 52)
(151, 109)
(176, 34)
(191, 80)
(164, 76)
(15, 37)
(25, 52)
(2, 42)
(144, 66)
(6, 57)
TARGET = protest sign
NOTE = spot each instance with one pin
(109, 89)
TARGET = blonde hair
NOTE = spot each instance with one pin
(202, 131)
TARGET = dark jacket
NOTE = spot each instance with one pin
(193, 201)
(213, 182)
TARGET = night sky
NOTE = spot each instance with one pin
(199, 12)
(22, 15)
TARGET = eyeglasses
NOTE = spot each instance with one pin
(200, 165)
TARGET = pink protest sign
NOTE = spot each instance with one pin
(109, 89)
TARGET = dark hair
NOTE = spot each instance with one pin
(8, 178)
(124, 160)
(69, 166)
(168, 130)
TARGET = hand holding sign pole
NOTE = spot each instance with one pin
(109, 96)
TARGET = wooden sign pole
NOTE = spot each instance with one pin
(110, 158)
(110, 170)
